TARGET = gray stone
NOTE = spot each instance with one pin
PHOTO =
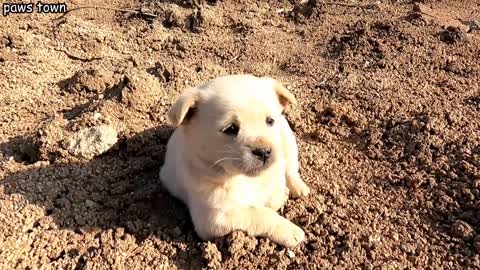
(91, 142)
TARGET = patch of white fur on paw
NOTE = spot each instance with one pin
(290, 235)
(298, 188)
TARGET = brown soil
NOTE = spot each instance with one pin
(388, 124)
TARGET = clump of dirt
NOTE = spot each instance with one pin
(91, 80)
(340, 119)
(309, 10)
(50, 134)
(211, 255)
(367, 43)
(196, 21)
(462, 229)
(452, 35)
(238, 244)
(141, 91)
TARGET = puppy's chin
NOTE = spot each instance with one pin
(252, 167)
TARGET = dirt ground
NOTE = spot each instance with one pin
(388, 125)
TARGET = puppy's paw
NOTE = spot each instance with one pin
(297, 187)
(300, 189)
(289, 235)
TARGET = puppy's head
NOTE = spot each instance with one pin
(233, 123)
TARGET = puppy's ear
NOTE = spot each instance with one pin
(285, 97)
(183, 109)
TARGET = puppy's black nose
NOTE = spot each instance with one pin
(262, 153)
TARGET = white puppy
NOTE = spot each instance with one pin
(233, 158)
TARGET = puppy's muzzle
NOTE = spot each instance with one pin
(262, 154)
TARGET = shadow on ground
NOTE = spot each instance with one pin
(119, 189)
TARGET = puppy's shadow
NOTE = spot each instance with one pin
(119, 189)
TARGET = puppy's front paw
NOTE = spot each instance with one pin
(289, 235)
(297, 187)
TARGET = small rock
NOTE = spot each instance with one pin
(290, 254)
(90, 142)
(462, 229)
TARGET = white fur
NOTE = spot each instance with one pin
(215, 175)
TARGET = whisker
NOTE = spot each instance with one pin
(222, 159)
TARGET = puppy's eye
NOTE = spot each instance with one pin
(231, 130)
(270, 121)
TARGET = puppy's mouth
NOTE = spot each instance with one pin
(253, 166)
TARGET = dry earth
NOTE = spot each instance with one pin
(388, 125)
